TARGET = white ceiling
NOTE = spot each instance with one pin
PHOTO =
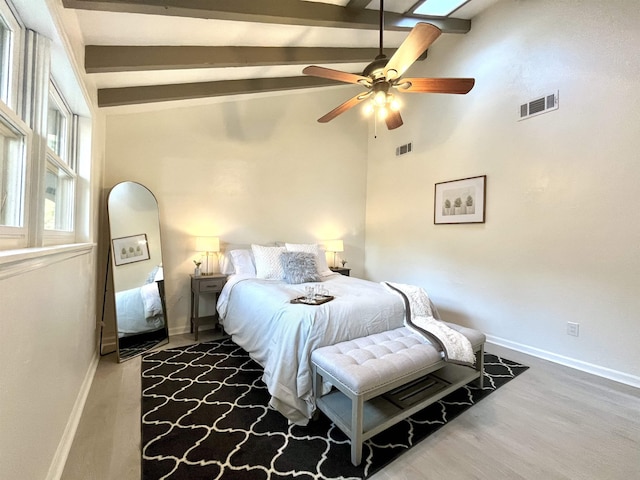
(124, 28)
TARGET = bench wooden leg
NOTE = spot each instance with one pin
(316, 384)
(480, 365)
(357, 412)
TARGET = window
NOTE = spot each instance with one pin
(43, 171)
(5, 55)
(10, 42)
(12, 174)
(15, 138)
(60, 177)
(56, 128)
(438, 8)
(58, 199)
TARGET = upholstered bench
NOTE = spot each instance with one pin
(384, 378)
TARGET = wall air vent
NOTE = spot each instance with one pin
(539, 105)
(403, 149)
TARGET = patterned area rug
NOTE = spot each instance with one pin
(205, 416)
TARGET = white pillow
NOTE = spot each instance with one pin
(151, 300)
(268, 264)
(242, 262)
(321, 259)
(226, 265)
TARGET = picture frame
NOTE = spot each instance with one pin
(460, 201)
(130, 249)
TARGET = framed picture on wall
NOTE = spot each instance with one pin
(460, 201)
(130, 249)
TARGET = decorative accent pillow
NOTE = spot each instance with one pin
(321, 259)
(242, 262)
(268, 264)
(299, 267)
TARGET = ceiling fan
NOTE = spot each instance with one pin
(383, 75)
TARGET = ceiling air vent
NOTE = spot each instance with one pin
(539, 105)
(403, 149)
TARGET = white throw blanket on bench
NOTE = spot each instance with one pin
(419, 318)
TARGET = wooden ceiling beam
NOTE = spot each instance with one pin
(284, 12)
(113, 97)
(358, 3)
(102, 58)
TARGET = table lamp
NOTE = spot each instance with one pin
(334, 246)
(208, 246)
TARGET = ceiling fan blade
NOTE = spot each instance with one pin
(419, 39)
(331, 74)
(342, 108)
(436, 85)
(393, 119)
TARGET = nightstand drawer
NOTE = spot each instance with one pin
(211, 285)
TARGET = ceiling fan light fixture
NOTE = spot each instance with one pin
(393, 103)
(382, 113)
(368, 109)
(380, 98)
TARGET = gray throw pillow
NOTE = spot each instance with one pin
(299, 267)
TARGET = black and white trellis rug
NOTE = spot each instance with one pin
(205, 416)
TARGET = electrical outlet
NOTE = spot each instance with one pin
(573, 329)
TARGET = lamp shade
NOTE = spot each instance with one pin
(207, 244)
(334, 246)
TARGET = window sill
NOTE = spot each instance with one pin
(19, 261)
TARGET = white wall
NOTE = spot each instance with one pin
(47, 345)
(254, 170)
(561, 238)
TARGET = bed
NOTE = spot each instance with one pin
(258, 315)
(139, 310)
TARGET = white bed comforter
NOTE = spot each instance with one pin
(281, 336)
(139, 310)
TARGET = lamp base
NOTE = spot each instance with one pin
(209, 263)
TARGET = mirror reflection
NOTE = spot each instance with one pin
(136, 262)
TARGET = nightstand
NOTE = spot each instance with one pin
(341, 270)
(204, 284)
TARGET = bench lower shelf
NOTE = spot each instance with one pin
(389, 408)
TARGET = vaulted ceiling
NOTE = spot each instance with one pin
(144, 51)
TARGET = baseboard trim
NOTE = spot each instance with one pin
(64, 446)
(587, 367)
(181, 330)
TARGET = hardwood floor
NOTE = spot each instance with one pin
(551, 422)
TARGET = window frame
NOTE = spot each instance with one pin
(34, 64)
(66, 162)
(17, 236)
(16, 54)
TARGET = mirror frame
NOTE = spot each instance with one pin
(152, 338)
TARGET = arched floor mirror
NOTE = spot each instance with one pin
(135, 259)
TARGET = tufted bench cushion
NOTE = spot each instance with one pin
(366, 370)
(367, 363)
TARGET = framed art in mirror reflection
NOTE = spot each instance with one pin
(130, 249)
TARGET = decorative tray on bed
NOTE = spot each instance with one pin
(316, 300)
